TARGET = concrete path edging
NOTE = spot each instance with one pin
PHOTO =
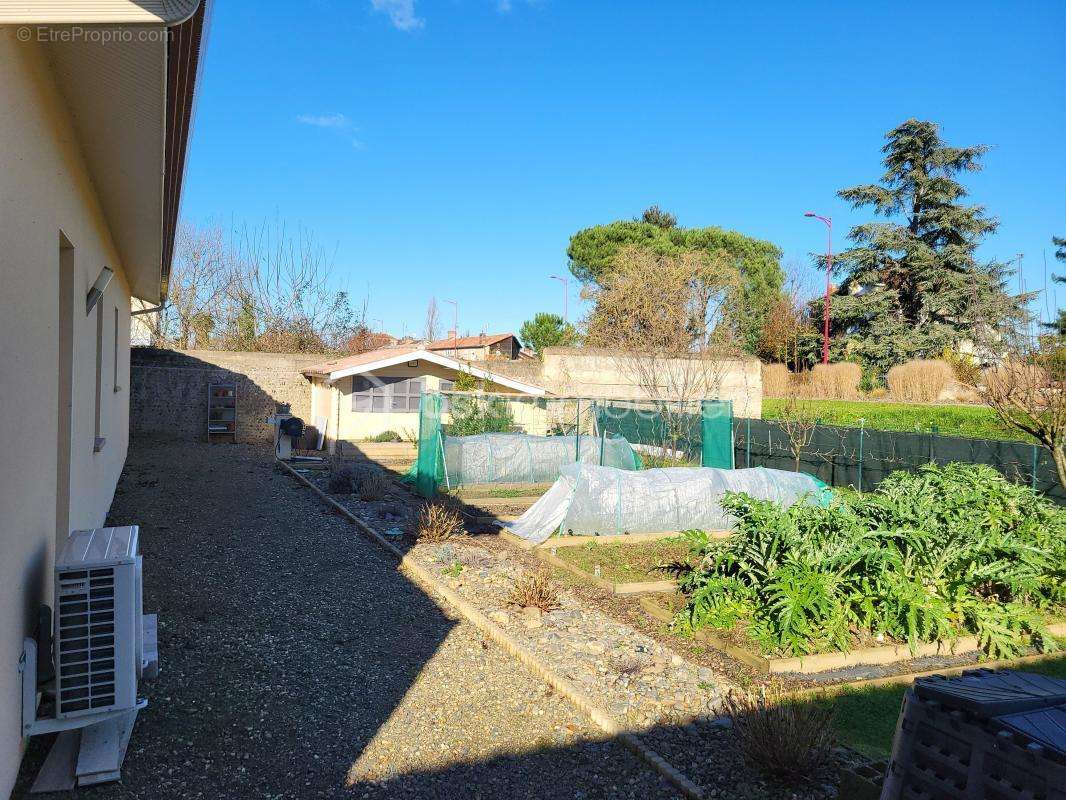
(600, 717)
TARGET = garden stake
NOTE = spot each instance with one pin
(862, 431)
(1036, 458)
(747, 443)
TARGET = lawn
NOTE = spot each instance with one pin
(626, 563)
(484, 490)
(976, 422)
(865, 718)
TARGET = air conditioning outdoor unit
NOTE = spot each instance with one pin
(102, 644)
(99, 634)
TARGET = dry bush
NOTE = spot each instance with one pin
(779, 735)
(535, 589)
(375, 486)
(838, 381)
(344, 479)
(776, 379)
(438, 522)
(919, 381)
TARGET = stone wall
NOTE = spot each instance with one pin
(590, 372)
(169, 389)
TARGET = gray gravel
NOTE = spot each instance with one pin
(297, 662)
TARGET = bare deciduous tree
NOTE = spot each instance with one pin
(1026, 384)
(199, 278)
(660, 318)
(286, 280)
(259, 289)
(429, 333)
(1027, 392)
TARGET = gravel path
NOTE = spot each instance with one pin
(297, 662)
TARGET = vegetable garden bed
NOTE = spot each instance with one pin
(621, 568)
(940, 561)
(727, 641)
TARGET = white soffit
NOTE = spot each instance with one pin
(95, 12)
(116, 94)
(443, 361)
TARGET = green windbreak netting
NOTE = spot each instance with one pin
(428, 465)
(717, 429)
(478, 437)
(672, 433)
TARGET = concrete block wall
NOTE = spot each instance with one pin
(168, 394)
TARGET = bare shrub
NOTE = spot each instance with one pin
(775, 380)
(438, 522)
(919, 381)
(536, 590)
(838, 381)
(779, 735)
(375, 486)
(344, 479)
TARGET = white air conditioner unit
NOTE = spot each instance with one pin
(99, 633)
(102, 645)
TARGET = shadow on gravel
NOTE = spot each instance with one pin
(284, 647)
(288, 641)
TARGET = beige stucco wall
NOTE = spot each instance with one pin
(580, 372)
(45, 190)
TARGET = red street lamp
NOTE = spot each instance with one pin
(828, 282)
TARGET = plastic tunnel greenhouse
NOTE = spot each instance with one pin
(480, 438)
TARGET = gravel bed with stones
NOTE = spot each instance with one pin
(645, 684)
(297, 662)
(641, 682)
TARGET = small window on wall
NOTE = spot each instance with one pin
(446, 402)
(380, 395)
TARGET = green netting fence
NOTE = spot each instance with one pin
(860, 457)
(474, 437)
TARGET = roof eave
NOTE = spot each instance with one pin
(436, 358)
(94, 12)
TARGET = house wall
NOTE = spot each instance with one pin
(358, 426)
(169, 390)
(46, 193)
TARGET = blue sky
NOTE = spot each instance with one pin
(450, 148)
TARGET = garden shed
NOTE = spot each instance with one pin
(368, 394)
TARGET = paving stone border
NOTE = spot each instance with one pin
(418, 571)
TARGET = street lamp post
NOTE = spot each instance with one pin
(455, 327)
(828, 282)
(566, 294)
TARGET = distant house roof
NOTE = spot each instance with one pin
(463, 342)
(391, 356)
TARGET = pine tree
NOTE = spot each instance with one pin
(914, 285)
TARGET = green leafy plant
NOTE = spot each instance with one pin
(387, 436)
(930, 556)
(453, 570)
(473, 414)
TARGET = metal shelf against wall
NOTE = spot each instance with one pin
(222, 410)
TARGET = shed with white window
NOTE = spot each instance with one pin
(370, 393)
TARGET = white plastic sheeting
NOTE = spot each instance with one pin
(593, 500)
(521, 458)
